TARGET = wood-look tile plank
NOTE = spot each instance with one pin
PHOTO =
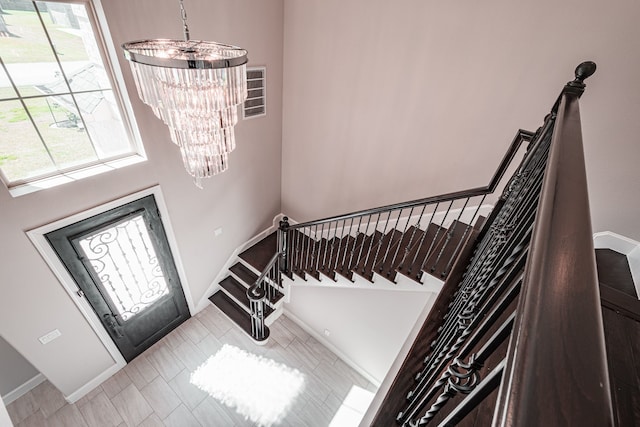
(36, 419)
(315, 414)
(215, 322)
(68, 415)
(142, 365)
(50, 399)
(23, 407)
(174, 338)
(165, 362)
(190, 394)
(320, 351)
(100, 412)
(190, 355)
(210, 412)
(152, 421)
(161, 397)
(181, 417)
(116, 383)
(87, 397)
(210, 345)
(281, 334)
(294, 328)
(193, 330)
(304, 354)
(132, 406)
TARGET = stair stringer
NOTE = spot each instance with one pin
(403, 283)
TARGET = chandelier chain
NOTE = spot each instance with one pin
(185, 27)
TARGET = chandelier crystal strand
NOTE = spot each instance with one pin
(194, 87)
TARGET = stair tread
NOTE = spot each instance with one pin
(411, 265)
(378, 248)
(232, 310)
(441, 258)
(398, 253)
(244, 273)
(613, 270)
(239, 292)
(259, 255)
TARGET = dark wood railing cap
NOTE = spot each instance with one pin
(583, 72)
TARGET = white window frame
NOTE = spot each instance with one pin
(109, 55)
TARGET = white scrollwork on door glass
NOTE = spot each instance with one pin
(124, 260)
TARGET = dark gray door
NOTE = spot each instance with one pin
(122, 262)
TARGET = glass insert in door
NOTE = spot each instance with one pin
(126, 264)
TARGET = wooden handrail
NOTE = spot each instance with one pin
(556, 368)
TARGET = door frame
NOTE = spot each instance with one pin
(37, 237)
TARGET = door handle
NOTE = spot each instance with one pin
(110, 321)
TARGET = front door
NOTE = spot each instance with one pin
(121, 261)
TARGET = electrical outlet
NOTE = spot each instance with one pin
(47, 338)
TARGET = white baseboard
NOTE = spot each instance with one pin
(85, 389)
(625, 246)
(333, 348)
(23, 389)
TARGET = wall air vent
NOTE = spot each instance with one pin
(256, 103)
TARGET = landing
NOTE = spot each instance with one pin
(614, 271)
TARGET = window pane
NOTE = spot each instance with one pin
(27, 53)
(6, 90)
(76, 117)
(104, 123)
(70, 31)
(22, 154)
(62, 130)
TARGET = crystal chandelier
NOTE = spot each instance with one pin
(194, 87)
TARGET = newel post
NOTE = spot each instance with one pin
(283, 244)
(256, 301)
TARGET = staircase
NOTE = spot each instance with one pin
(232, 297)
(507, 341)
(411, 252)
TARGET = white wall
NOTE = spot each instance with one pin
(5, 421)
(389, 101)
(242, 200)
(368, 326)
(15, 370)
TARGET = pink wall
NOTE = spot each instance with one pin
(390, 101)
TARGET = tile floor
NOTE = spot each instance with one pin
(156, 390)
